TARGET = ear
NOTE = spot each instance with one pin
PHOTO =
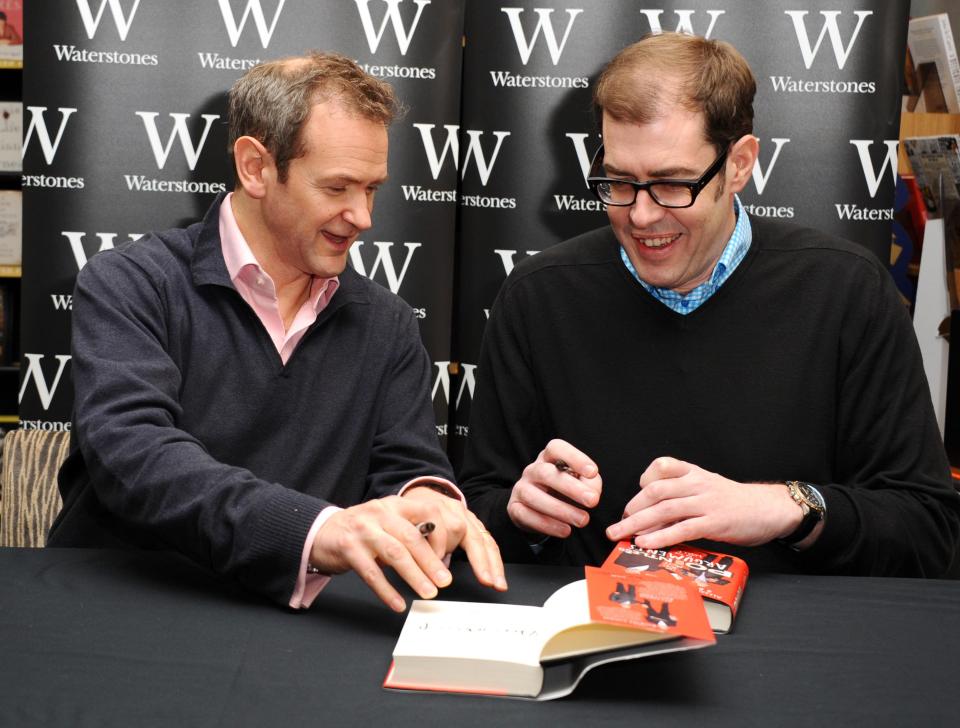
(254, 166)
(742, 156)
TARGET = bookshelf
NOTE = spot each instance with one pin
(11, 90)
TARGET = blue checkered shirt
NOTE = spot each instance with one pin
(734, 252)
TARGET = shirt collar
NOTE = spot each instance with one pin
(733, 254)
(242, 265)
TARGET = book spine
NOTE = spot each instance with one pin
(950, 81)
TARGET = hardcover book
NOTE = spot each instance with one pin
(541, 653)
(720, 578)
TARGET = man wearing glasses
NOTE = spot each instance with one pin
(691, 374)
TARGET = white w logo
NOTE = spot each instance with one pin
(543, 25)
(234, 29)
(684, 21)
(442, 382)
(452, 145)
(872, 177)
(829, 28)
(34, 374)
(392, 16)
(79, 252)
(161, 152)
(506, 257)
(91, 23)
(760, 178)
(383, 260)
(39, 125)
(583, 156)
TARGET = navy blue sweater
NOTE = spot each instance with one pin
(189, 433)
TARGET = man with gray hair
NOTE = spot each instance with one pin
(690, 373)
(246, 398)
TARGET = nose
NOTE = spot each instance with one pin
(644, 211)
(359, 211)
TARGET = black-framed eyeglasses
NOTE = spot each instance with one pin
(668, 192)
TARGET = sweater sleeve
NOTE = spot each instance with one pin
(160, 480)
(892, 508)
(405, 445)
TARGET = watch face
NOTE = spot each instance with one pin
(811, 496)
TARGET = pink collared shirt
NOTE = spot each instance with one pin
(257, 288)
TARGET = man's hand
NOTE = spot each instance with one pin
(679, 502)
(554, 491)
(384, 531)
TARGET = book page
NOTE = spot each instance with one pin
(474, 630)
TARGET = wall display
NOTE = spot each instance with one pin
(124, 133)
(827, 113)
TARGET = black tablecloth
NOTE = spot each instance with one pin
(138, 639)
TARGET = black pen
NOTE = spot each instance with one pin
(426, 528)
(562, 466)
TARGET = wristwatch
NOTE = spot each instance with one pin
(813, 506)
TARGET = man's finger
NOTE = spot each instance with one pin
(373, 575)
(531, 520)
(662, 468)
(547, 503)
(407, 552)
(569, 459)
(484, 555)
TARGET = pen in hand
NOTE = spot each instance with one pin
(563, 467)
(426, 528)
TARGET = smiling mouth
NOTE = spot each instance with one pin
(336, 239)
(655, 242)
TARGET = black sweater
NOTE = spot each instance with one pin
(803, 365)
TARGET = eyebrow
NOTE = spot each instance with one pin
(666, 173)
(343, 179)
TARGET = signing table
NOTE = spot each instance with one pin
(141, 639)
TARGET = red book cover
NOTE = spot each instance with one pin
(721, 578)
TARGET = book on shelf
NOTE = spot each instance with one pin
(720, 578)
(935, 161)
(11, 136)
(934, 56)
(541, 653)
(11, 240)
(6, 315)
(11, 34)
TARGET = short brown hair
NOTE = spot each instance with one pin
(705, 76)
(271, 101)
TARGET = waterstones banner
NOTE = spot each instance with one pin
(124, 117)
(827, 113)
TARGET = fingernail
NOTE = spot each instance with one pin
(442, 577)
(501, 583)
(427, 590)
(397, 604)
(583, 521)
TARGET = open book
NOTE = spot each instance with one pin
(721, 578)
(543, 652)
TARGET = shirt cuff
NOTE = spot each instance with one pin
(309, 585)
(441, 485)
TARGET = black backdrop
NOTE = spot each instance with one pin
(124, 109)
